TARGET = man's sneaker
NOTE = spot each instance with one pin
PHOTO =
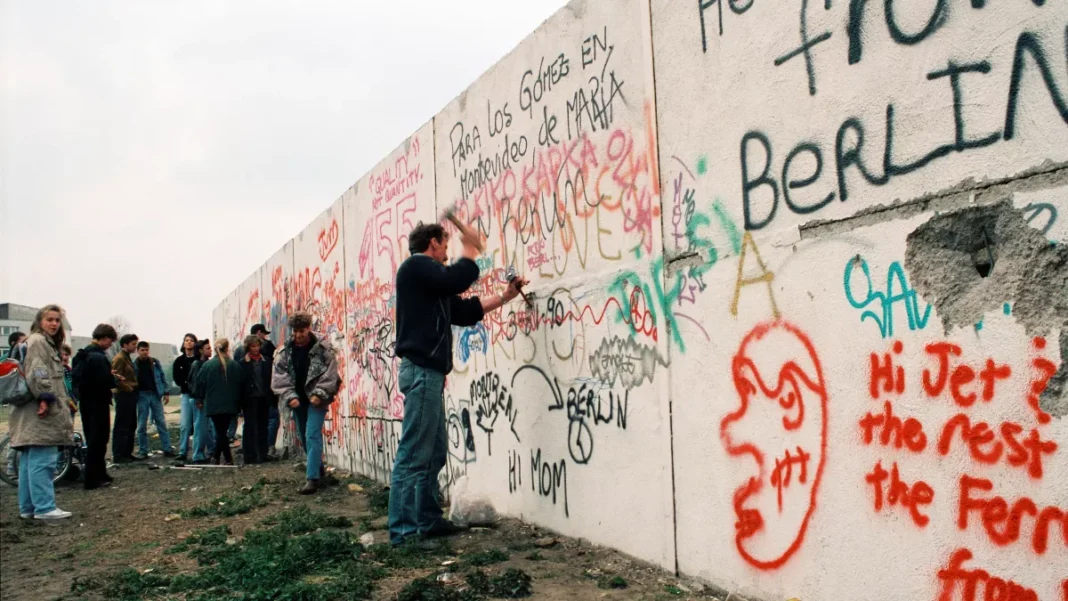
(55, 514)
(138, 457)
(310, 487)
(26, 516)
(170, 454)
(444, 527)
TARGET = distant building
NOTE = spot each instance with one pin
(19, 318)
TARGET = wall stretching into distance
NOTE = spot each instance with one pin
(800, 308)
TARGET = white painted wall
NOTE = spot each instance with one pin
(319, 288)
(383, 207)
(655, 293)
(276, 277)
(226, 318)
(250, 295)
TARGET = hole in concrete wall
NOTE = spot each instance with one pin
(984, 256)
(975, 260)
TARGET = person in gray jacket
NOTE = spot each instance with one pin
(305, 377)
(43, 424)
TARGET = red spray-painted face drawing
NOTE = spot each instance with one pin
(780, 431)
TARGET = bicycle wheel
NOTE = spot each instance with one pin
(63, 461)
(9, 469)
(9, 462)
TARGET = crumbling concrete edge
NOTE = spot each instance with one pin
(968, 191)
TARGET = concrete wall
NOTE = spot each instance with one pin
(799, 309)
(379, 212)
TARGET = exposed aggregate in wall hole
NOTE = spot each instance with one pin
(972, 261)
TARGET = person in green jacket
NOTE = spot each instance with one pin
(221, 382)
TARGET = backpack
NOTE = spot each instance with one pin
(13, 387)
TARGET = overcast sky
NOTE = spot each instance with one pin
(153, 154)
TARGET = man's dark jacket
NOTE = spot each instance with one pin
(429, 304)
(91, 376)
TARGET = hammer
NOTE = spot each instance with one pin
(450, 214)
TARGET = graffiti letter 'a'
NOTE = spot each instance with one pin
(780, 432)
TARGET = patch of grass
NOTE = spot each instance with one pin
(510, 584)
(152, 544)
(299, 520)
(377, 495)
(429, 589)
(407, 556)
(231, 504)
(379, 501)
(205, 545)
(486, 558)
(671, 589)
(83, 546)
(535, 556)
(175, 432)
(125, 585)
(60, 556)
(612, 582)
(279, 562)
(181, 547)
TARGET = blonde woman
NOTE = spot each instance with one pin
(41, 426)
(222, 381)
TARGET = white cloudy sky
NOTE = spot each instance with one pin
(154, 153)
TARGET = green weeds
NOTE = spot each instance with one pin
(309, 560)
(510, 584)
(486, 558)
(231, 504)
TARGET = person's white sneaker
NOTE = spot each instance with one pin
(55, 514)
(25, 516)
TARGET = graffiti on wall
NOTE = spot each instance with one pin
(379, 217)
(971, 385)
(877, 305)
(559, 171)
(806, 176)
(779, 380)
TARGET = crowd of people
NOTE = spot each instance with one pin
(216, 390)
(251, 381)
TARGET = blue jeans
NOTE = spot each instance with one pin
(189, 416)
(310, 422)
(231, 432)
(414, 503)
(273, 421)
(203, 436)
(37, 467)
(150, 405)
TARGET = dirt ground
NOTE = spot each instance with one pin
(153, 513)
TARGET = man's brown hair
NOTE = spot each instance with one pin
(105, 331)
(251, 341)
(300, 319)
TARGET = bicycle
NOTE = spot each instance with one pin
(65, 461)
